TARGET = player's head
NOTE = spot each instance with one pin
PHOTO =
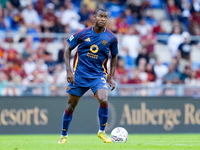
(100, 16)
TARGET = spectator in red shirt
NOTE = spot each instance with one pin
(7, 68)
(18, 62)
(158, 28)
(174, 11)
(194, 21)
(151, 76)
(11, 53)
(135, 78)
(2, 55)
(149, 41)
(22, 72)
(49, 17)
(42, 52)
(40, 4)
(121, 74)
(198, 72)
(121, 23)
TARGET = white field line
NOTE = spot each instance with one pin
(172, 144)
(185, 143)
(170, 141)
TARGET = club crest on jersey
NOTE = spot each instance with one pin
(88, 39)
(71, 38)
(68, 88)
(104, 42)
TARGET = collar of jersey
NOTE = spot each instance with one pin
(101, 32)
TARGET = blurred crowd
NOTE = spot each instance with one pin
(68, 16)
(133, 19)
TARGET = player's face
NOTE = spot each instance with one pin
(101, 19)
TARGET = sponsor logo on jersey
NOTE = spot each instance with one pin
(92, 55)
(94, 48)
(88, 39)
(71, 38)
(104, 42)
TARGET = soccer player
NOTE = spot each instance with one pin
(95, 43)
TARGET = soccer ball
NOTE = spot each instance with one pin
(119, 134)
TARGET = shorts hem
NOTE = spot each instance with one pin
(73, 94)
(99, 89)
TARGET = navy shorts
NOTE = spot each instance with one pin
(82, 85)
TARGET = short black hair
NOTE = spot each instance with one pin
(100, 9)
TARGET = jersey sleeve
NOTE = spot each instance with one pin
(114, 46)
(75, 39)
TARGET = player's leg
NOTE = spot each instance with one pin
(102, 96)
(67, 116)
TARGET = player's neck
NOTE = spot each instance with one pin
(97, 29)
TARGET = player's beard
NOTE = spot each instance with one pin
(102, 24)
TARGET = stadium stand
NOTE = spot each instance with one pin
(41, 35)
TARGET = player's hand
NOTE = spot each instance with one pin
(70, 77)
(111, 82)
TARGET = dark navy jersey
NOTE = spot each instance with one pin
(93, 51)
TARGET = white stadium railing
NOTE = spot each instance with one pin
(121, 90)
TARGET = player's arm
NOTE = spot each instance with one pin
(113, 63)
(72, 42)
(70, 76)
(110, 78)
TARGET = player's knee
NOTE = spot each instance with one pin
(103, 101)
(70, 109)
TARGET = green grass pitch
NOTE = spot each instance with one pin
(92, 142)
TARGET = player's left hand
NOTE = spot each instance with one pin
(111, 82)
(70, 77)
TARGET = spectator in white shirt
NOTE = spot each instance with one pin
(160, 70)
(72, 18)
(59, 75)
(195, 6)
(41, 66)
(31, 17)
(192, 80)
(24, 3)
(143, 27)
(29, 65)
(174, 41)
(131, 43)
